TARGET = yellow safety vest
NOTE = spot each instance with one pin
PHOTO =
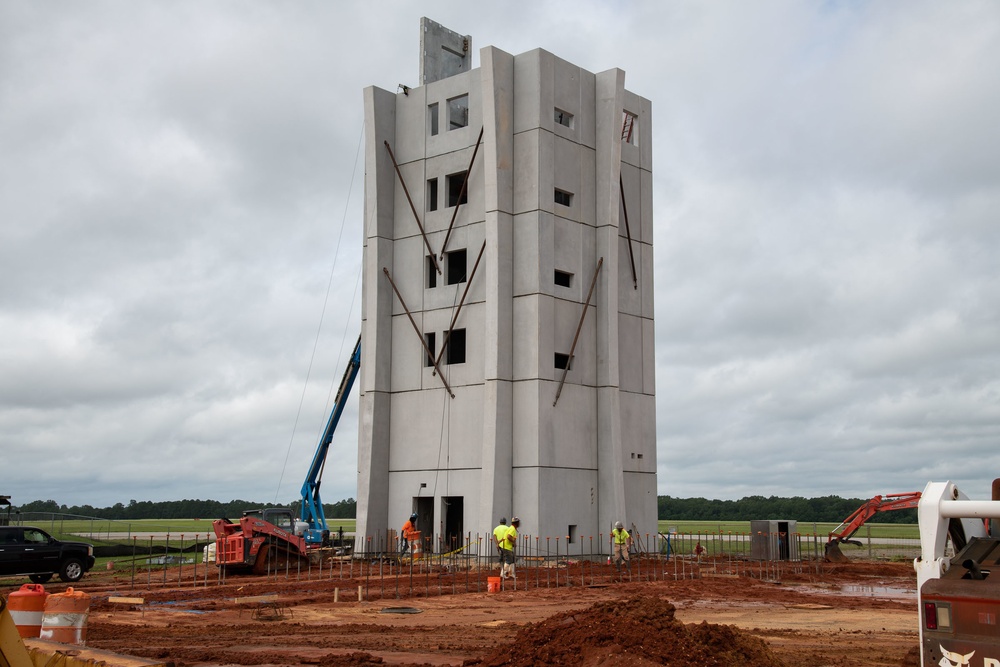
(621, 536)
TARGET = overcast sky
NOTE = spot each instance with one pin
(180, 188)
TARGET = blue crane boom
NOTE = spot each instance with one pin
(312, 506)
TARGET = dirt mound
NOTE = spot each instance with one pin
(629, 633)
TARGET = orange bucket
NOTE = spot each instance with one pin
(65, 617)
(493, 584)
(26, 608)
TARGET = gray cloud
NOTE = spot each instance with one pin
(175, 177)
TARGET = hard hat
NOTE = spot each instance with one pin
(503, 519)
(618, 525)
(413, 517)
(515, 520)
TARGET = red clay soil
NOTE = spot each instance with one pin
(850, 615)
(630, 632)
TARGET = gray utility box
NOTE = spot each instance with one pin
(774, 540)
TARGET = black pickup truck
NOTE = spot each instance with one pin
(33, 552)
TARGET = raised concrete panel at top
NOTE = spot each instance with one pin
(443, 52)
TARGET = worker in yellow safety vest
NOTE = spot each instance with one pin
(621, 542)
(507, 549)
(498, 535)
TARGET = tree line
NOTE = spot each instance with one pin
(821, 510)
(177, 509)
(828, 509)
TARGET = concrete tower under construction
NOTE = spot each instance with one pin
(507, 335)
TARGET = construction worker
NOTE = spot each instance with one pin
(507, 550)
(409, 528)
(621, 542)
(498, 534)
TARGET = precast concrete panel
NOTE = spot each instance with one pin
(530, 89)
(449, 140)
(377, 306)
(568, 438)
(646, 282)
(527, 334)
(640, 503)
(422, 426)
(530, 233)
(631, 184)
(411, 111)
(629, 294)
(569, 175)
(572, 250)
(649, 363)
(565, 323)
(646, 208)
(527, 166)
(638, 437)
(528, 428)
(443, 52)
(630, 353)
(414, 176)
(525, 499)
(570, 499)
(407, 354)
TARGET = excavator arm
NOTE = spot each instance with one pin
(849, 526)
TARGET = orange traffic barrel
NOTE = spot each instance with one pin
(26, 607)
(416, 543)
(65, 617)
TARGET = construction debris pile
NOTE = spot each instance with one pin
(629, 632)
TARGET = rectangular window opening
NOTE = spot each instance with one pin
(457, 260)
(432, 274)
(562, 361)
(456, 195)
(563, 198)
(563, 279)
(456, 347)
(458, 112)
(630, 128)
(432, 194)
(571, 534)
(432, 118)
(564, 118)
(429, 338)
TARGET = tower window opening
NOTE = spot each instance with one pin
(456, 347)
(456, 196)
(564, 118)
(432, 274)
(432, 194)
(429, 339)
(457, 261)
(458, 112)
(563, 198)
(630, 128)
(562, 361)
(432, 118)
(562, 279)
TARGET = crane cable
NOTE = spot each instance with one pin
(326, 301)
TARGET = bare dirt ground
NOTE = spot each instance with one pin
(861, 614)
